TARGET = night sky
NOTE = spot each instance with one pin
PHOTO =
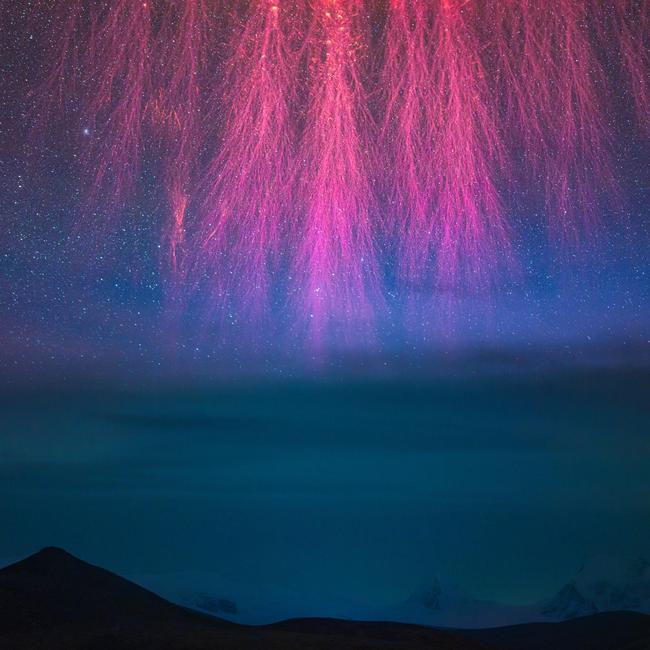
(493, 432)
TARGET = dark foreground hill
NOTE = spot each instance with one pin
(53, 600)
(606, 631)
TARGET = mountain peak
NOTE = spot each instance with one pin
(604, 584)
(52, 550)
(569, 603)
(51, 560)
(51, 553)
(53, 585)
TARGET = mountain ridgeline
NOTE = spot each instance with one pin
(54, 601)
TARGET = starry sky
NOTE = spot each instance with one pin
(92, 294)
(500, 444)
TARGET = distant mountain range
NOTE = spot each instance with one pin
(52, 601)
(602, 585)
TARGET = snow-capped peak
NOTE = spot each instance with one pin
(568, 603)
(606, 584)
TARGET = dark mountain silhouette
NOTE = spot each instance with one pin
(52, 601)
(53, 587)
